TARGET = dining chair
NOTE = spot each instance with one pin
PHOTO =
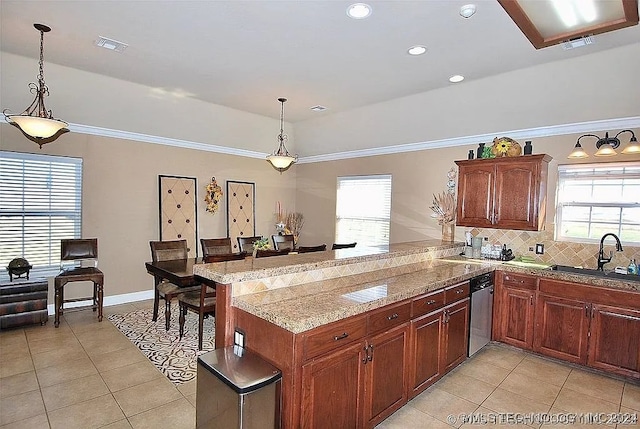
(308, 249)
(245, 244)
(214, 246)
(263, 253)
(283, 241)
(203, 300)
(82, 254)
(343, 246)
(170, 250)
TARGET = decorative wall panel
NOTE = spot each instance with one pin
(241, 212)
(178, 214)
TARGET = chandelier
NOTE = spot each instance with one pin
(281, 160)
(606, 145)
(36, 122)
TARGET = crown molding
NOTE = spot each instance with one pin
(526, 133)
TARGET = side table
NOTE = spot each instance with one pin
(23, 302)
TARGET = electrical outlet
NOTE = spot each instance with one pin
(530, 248)
(539, 249)
(238, 338)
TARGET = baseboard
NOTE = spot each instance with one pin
(109, 300)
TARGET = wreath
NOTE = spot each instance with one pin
(213, 196)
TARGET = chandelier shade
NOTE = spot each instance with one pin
(281, 159)
(36, 122)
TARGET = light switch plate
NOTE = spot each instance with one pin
(238, 338)
(540, 249)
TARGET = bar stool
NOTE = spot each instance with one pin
(80, 251)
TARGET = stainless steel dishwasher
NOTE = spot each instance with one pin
(481, 312)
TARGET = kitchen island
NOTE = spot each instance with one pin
(358, 334)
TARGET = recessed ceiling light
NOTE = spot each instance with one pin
(468, 10)
(112, 45)
(456, 78)
(359, 10)
(417, 50)
(318, 108)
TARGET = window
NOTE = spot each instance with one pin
(363, 210)
(594, 199)
(40, 203)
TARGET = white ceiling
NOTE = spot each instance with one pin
(246, 54)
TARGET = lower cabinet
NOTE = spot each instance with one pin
(440, 341)
(514, 309)
(331, 388)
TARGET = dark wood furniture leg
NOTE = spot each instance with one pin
(167, 310)
(100, 293)
(156, 297)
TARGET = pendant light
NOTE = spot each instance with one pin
(606, 146)
(281, 160)
(36, 122)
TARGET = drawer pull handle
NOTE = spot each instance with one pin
(340, 337)
(459, 291)
(431, 302)
(393, 316)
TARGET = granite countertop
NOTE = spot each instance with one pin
(300, 308)
(258, 268)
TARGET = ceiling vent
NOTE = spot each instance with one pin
(577, 42)
(110, 44)
(318, 108)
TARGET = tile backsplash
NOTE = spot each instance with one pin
(557, 252)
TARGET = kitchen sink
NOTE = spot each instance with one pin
(592, 272)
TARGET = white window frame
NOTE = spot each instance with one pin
(40, 204)
(599, 175)
(353, 188)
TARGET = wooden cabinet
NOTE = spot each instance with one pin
(508, 193)
(561, 328)
(331, 389)
(440, 338)
(614, 344)
(514, 309)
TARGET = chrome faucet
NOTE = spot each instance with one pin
(601, 259)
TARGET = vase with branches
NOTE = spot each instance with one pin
(294, 222)
(444, 210)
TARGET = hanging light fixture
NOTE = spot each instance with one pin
(606, 145)
(36, 122)
(281, 160)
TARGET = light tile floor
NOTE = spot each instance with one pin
(86, 375)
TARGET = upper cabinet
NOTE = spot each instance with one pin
(507, 193)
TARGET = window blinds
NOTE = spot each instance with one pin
(40, 204)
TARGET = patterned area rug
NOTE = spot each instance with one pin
(175, 358)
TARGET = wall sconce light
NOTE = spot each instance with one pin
(281, 160)
(36, 122)
(606, 145)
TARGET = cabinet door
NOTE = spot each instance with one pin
(455, 338)
(426, 335)
(516, 195)
(331, 392)
(614, 344)
(385, 382)
(515, 326)
(562, 327)
(475, 195)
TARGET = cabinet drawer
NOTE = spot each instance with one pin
(520, 281)
(334, 335)
(456, 292)
(389, 316)
(427, 303)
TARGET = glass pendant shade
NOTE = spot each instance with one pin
(280, 162)
(37, 127)
(605, 150)
(632, 148)
(578, 152)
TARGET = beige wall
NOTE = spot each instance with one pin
(120, 195)
(416, 177)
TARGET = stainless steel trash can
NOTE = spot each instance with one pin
(237, 389)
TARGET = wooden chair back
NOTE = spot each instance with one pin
(307, 249)
(343, 246)
(222, 257)
(245, 244)
(283, 242)
(168, 250)
(215, 246)
(269, 252)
